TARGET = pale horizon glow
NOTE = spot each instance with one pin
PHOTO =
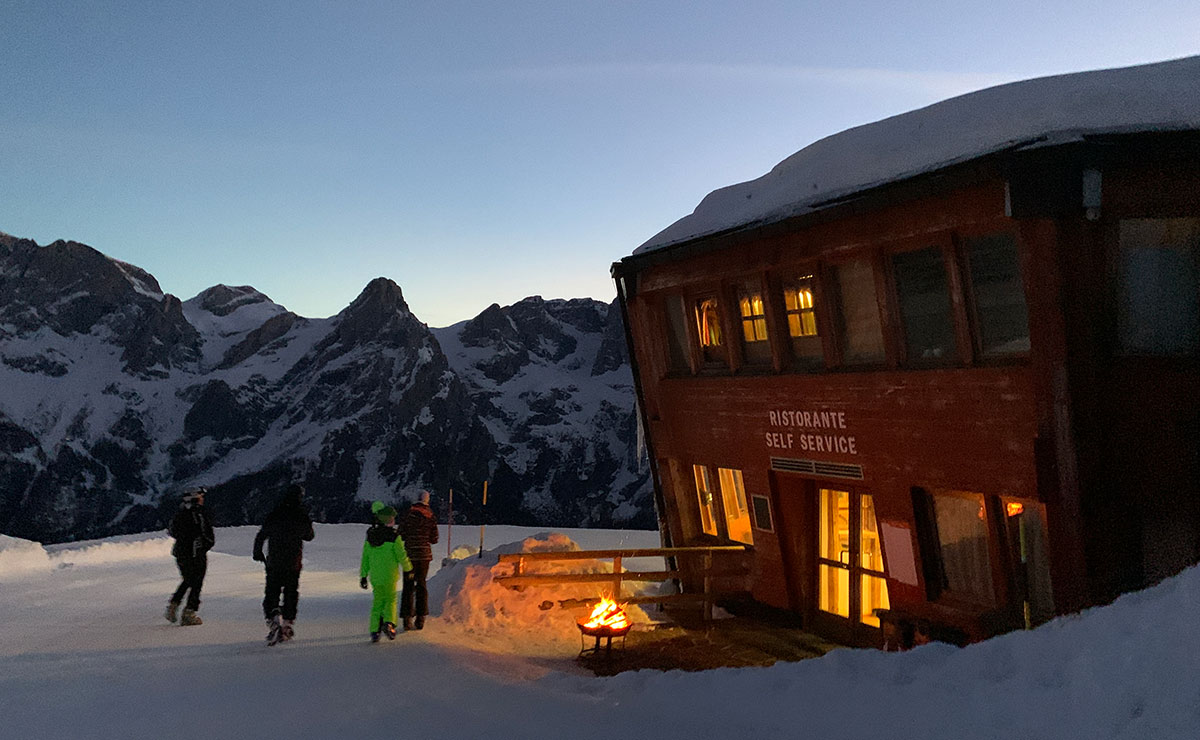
(474, 153)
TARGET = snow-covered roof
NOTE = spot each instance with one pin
(1045, 111)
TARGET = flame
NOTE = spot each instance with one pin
(1014, 508)
(607, 613)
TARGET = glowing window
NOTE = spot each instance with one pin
(737, 509)
(704, 492)
(798, 300)
(850, 574)
(756, 348)
(708, 328)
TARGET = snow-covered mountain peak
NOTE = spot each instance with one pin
(116, 395)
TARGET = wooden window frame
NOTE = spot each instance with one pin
(971, 306)
(778, 281)
(959, 326)
(736, 289)
(854, 563)
(836, 343)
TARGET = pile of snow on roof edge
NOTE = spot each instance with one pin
(1045, 110)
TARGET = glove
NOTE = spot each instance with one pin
(259, 557)
(362, 582)
(410, 575)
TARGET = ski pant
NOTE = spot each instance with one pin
(415, 590)
(286, 581)
(192, 570)
(383, 605)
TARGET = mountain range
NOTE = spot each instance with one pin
(116, 396)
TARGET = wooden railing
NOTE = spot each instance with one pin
(704, 571)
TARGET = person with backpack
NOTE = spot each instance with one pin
(193, 532)
(383, 557)
(285, 531)
(420, 532)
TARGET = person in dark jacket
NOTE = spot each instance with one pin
(285, 531)
(193, 532)
(420, 532)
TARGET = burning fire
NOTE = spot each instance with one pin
(607, 613)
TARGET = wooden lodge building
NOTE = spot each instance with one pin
(942, 370)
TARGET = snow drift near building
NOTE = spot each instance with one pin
(464, 593)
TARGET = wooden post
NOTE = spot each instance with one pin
(450, 523)
(482, 518)
(616, 586)
(708, 605)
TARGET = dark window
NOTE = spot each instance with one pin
(799, 302)
(762, 513)
(756, 348)
(925, 307)
(1159, 286)
(677, 338)
(998, 294)
(859, 327)
(708, 328)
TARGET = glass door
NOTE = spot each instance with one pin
(850, 576)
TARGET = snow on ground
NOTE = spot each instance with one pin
(85, 652)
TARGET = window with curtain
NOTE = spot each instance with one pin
(859, 327)
(755, 347)
(708, 327)
(799, 303)
(962, 530)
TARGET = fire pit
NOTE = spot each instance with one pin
(607, 621)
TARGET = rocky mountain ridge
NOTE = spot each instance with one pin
(115, 396)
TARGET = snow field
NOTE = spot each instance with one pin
(84, 651)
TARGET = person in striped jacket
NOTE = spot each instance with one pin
(420, 532)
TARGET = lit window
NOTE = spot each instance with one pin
(800, 305)
(850, 571)
(798, 300)
(737, 509)
(708, 327)
(704, 492)
(754, 324)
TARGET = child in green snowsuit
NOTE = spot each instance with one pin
(382, 559)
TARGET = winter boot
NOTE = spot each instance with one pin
(374, 637)
(421, 622)
(288, 630)
(408, 624)
(389, 629)
(190, 617)
(274, 628)
(172, 611)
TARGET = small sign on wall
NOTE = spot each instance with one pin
(897, 546)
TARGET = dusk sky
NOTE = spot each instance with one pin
(474, 152)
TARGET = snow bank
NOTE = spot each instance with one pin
(1127, 670)
(19, 557)
(104, 552)
(464, 593)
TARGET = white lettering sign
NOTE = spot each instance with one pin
(810, 430)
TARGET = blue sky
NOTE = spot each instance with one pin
(474, 152)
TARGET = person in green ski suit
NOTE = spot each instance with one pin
(382, 560)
